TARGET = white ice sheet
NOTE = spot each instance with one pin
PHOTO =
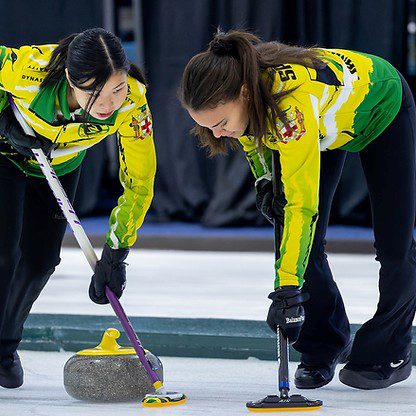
(192, 284)
(214, 387)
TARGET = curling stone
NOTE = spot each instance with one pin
(109, 372)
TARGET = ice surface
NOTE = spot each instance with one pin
(191, 284)
(214, 387)
(199, 284)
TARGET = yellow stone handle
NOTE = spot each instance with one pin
(108, 341)
(109, 345)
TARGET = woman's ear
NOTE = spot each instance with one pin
(244, 94)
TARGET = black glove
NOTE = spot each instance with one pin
(286, 311)
(11, 130)
(109, 271)
(271, 208)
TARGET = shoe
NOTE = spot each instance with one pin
(11, 371)
(315, 376)
(374, 377)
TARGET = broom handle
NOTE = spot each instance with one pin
(84, 243)
(282, 343)
(90, 255)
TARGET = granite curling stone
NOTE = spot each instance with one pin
(109, 372)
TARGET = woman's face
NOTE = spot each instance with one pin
(228, 119)
(109, 99)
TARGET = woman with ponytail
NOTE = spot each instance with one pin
(311, 106)
(73, 95)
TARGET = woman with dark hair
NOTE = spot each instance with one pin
(73, 95)
(299, 102)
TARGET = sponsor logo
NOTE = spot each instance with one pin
(398, 364)
(36, 68)
(295, 319)
(90, 129)
(350, 65)
(32, 78)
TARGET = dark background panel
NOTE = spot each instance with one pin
(219, 192)
(189, 187)
(42, 21)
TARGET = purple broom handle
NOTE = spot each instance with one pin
(83, 241)
(128, 329)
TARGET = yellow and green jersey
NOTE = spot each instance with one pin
(46, 111)
(345, 105)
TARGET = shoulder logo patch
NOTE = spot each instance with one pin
(294, 129)
(142, 123)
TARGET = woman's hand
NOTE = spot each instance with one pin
(286, 311)
(271, 207)
(109, 271)
(11, 130)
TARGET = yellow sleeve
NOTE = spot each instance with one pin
(300, 167)
(12, 61)
(137, 172)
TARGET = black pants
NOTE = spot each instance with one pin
(31, 231)
(389, 167)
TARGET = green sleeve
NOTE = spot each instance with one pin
(260, 160)
(137, 172)
(260, 163)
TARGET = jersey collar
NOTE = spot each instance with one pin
(44, 104)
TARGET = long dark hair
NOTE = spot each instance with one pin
(232, 60)
(94, 54)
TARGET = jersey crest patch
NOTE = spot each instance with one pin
(142, 123)
(294, 129)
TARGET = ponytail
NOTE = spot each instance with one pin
(233, 60)
(57, 63)
(136, 73)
